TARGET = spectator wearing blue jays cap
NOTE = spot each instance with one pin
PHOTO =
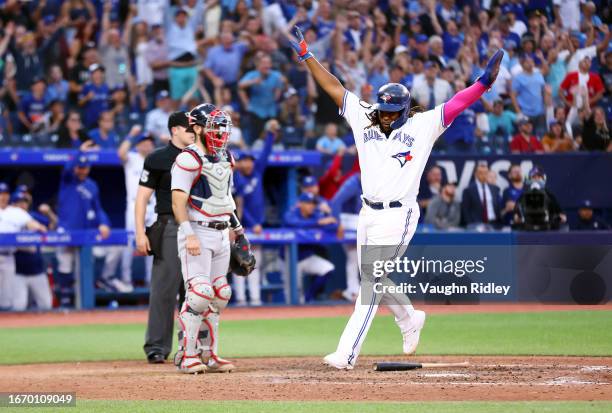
(20, 196)
(310, 184)
(305, 214)
(421, 47)
(587, 220)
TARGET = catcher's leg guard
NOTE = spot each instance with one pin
(209, 332)
(197, 299)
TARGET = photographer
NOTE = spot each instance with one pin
(537, 209)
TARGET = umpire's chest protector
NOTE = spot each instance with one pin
(211, 192)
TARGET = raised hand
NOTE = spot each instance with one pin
(492, 69)
(300, 47)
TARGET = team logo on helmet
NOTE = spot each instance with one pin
(385, 98)
(403, 158)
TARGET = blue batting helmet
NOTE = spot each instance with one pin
(394, 97)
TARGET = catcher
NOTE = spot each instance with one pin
(205, 211)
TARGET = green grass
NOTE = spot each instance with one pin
(103, 406)
(545, 333)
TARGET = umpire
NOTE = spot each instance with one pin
(160, 239)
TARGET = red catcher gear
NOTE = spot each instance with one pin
(217, 132)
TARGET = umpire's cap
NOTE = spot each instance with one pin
(178, 119)
(393, 97)
(4, 188)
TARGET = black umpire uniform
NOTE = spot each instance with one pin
(166, 277)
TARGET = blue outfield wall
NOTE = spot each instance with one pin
(538, 267)
(571, 177)
(582, 259)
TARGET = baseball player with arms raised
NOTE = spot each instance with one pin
(205, 211)
(393, 145)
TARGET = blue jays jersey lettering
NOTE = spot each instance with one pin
(372, 134)
(391, 168)
(404, 138)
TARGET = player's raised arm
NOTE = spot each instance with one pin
(328, 82)
(466, 97)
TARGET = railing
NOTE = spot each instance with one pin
(517, 243)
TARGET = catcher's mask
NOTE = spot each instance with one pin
(217, 131)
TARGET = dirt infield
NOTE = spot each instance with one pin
(487, 378)
(58, 318)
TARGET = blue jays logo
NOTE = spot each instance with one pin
(385, 98)
(403, 157)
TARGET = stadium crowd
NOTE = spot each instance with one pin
(80, 73)
(93, 74)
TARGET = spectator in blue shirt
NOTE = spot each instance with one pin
(306, 215)
(512, 193)
(78, 208)
(452, 39)
(32, 107)
(248, 184)
(501, 122)
(94, 97)
(105, 136)
(505, 28)
(57, 88)
(528, 95)
(259, 91)
(329, 143)
(222, 65)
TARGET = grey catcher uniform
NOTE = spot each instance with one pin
(207, 178)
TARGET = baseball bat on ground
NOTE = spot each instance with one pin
(399, 366)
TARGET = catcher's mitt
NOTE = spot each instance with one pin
(242, 260)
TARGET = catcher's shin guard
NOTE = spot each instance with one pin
(197, 299)
(210, 357)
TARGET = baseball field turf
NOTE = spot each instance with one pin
(504, 345)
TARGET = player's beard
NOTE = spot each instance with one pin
(200, 138)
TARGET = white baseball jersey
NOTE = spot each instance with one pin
(132, 170)
(391, 168)
(13, 219)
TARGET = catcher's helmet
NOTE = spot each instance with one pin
(394, 97)
(199, 114)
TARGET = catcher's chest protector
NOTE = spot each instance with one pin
(211, 190)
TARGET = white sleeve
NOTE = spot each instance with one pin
(132, 157)
(351, 108)
(590, 51)
(431, 123)
(563, 54)
(22, 218)
(184, 171)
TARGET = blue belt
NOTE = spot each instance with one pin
(381, 205)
